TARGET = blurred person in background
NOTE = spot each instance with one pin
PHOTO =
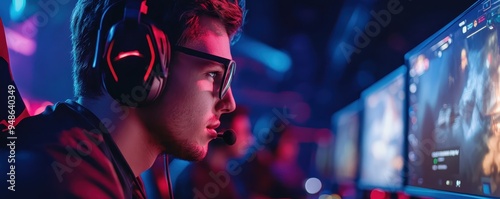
(275, 172)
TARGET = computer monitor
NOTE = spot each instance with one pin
(346, 129)
(382, 133)
(454, 90)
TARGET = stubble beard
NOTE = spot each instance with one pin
(181, 148)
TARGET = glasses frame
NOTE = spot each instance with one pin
(224, 61)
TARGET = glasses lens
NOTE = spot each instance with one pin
(226, 84)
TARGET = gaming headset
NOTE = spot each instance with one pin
(132, 55)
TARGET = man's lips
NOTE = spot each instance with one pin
(212, 133)
(211, 129)
(213, 125)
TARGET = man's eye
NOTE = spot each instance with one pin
(213, 74)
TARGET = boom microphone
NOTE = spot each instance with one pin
(228, 136)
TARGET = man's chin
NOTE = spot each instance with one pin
(192, 155)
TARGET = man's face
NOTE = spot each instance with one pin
(183, 120)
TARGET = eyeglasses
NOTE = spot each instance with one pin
(229, 66)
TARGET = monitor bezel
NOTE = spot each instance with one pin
(424, 191)
(377, 86)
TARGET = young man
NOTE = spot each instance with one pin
(98, 145)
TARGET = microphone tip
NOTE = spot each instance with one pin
(228, 136)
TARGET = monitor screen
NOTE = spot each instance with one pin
(382, 133)
(454, 129)
(346, 128)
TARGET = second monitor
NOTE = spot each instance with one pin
(382, 133)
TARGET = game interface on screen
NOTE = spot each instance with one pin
(454, 113)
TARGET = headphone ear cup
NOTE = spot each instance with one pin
(161, 69)
(134, 73)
